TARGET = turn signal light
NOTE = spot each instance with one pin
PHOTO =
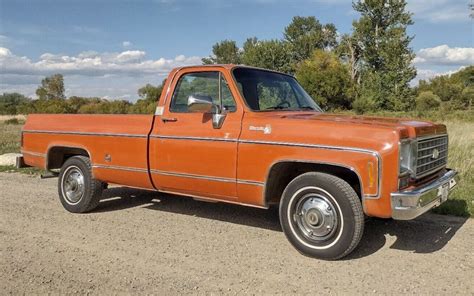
(370, 170)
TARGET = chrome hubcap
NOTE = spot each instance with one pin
(73, 185)
(316, 217)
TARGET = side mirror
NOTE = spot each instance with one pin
(204, 104)
(200, 103)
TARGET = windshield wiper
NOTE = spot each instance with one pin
(290, 109)
(306, 108)
(276, 108)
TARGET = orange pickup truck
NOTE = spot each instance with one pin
(252, 137)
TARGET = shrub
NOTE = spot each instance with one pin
(13, 121)
(10, 103)
(326, 79)
(465, 99)
(427, 100)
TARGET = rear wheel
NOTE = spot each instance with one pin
(321, 215)
(78, 191)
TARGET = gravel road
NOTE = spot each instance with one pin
(143, 242)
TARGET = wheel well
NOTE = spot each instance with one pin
(58, 155)
(283, 173)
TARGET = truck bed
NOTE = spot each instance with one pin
(109, 140)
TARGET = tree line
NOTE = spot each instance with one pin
(367, 70)
(52, 99)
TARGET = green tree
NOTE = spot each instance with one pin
(13, 103)
(91, 108)
(75, 103)
(305, 34)
(427, 101)
(454, 90)
(444, 87)
(151, 93)
(381, 34)
(143, 107)
(150, 96)
(103, 106)
(116, 107)
(52, 87)
(466, 99)
(350, 52)
(224, 52)
(465, 76)
(268, 54)
(55, 106)
(326, 79)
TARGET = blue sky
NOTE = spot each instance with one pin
(111, 48)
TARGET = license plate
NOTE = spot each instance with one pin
(443, 192)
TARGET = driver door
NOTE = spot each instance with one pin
(187, 154)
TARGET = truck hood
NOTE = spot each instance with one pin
(407, 127)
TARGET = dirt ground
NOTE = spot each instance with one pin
(143, 242)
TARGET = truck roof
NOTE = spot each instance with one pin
(229, 67)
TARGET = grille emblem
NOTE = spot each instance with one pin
(435, 154)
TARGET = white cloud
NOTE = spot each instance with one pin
(440, 10)
(130, 56)
(427, 74)
(127, 44)
(90, 73)
(445, 55)
(130, 62)
(4, 52)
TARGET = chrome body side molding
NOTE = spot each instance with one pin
(338, 148)
(240, 141)
(194, 138)
(177, 174)
(36, 154)
(84, 133)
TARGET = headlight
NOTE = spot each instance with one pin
(407, 157)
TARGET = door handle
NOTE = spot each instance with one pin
(165, 119)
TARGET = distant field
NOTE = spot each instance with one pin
(6, 117)
(461, 155)
(9, 136)
(461, 158)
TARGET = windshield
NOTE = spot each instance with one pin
(265, 90)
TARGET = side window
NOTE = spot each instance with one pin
(204, 84)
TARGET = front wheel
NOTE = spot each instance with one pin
(78, 191)
(321, 215)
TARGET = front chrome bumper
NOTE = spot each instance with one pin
(407, 205)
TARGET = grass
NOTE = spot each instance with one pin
(460, 126)
(436, 116)
(14, 121)
(461, 155)
(13, 169)
(9, 137)
(10, 142)
(461, 158)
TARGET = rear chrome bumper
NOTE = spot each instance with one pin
(20, 162)
(407, 205)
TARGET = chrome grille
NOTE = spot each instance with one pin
(432, 155)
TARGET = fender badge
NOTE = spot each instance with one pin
(267, 129)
